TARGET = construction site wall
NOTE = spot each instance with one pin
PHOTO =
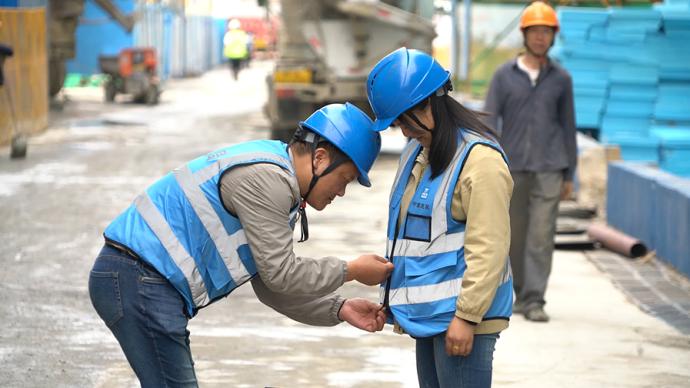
(24, 96)
(653, 206)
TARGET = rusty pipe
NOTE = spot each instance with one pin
(616, 241)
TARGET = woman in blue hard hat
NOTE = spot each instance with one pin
(227, 218)
(448, 228)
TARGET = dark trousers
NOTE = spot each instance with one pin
(235, 66)
(533, 212)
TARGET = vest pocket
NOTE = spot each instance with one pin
(417, 228)
(419, 266)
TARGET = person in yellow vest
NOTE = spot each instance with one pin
(235, 46)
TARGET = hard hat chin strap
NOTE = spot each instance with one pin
(440, 92)
(417, 121)
(313, 139)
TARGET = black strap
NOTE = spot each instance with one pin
(304, 223)
(416, 120)
(302, 211)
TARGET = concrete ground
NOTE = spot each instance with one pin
(95, 158)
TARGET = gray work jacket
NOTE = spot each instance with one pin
(536, 124)
(262, 195)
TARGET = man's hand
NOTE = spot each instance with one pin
(363, 314)
(369, 269)
(566, 190)
(459, 337)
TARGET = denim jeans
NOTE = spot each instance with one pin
(146, 314)
(435, 368)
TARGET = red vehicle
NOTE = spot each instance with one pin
(133, 72)
(264, 33)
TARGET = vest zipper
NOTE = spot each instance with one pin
(386, 295)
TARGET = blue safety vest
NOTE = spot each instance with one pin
(180, 226)
(427, 248)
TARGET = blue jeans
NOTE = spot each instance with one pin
(146, 314)
(435, 368)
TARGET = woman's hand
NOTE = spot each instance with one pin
(459, 337)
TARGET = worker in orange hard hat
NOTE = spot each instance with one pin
(539, 14)
(539, 25)
(530, 103)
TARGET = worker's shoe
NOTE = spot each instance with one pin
(518, 308)
(536, 314)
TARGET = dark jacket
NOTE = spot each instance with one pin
(536, 124)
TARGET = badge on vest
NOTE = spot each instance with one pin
(425, 193)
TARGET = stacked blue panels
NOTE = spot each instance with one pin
(620, 126)
(575, 25)
(631, 70)
(673, 102)
(672, 54)
(674, 149)
(631, 103)
(627, 92)
(672, 222)
(626, 25)
(590, 81)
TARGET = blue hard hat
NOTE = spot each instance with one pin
(401, 80)
(348, 129)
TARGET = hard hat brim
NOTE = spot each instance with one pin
(363, 179)
(382, 124)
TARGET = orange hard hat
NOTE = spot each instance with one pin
(539, 14)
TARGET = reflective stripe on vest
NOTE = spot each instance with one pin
(429, 248)
(180, 226)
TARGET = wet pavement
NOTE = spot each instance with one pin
(96, 158)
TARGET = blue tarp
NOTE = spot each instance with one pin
(97, 34)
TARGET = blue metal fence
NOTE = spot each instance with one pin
(185, 45)
(653, 206)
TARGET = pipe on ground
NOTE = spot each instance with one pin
(616, 241)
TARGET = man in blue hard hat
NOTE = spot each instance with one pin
(227, 218)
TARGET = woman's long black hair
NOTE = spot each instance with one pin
(450, 116)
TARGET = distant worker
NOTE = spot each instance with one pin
(235, 46)
(227, 218)
(530, 102)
